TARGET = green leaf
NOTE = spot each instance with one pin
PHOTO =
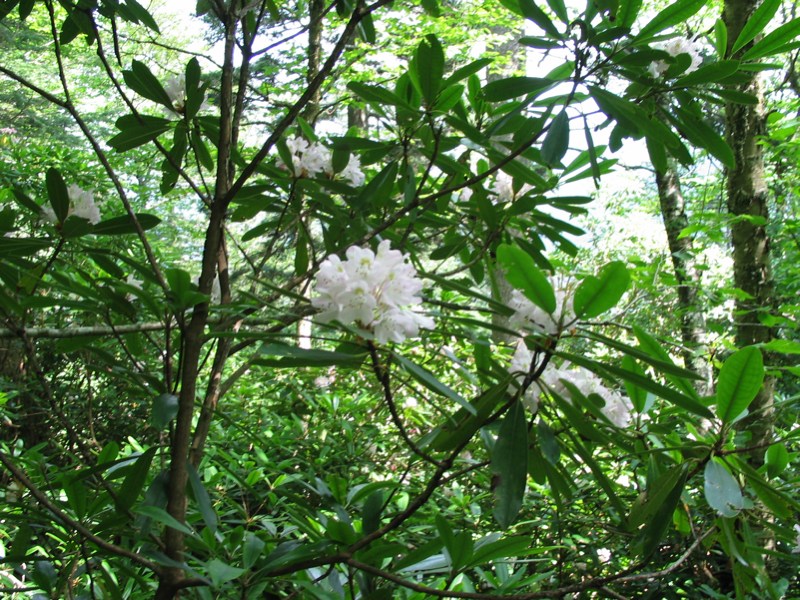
(703, 135)
(675, 13)
(649, 345)
(136, 132)
(141, 15)
(464, 423)
(283, 355)
(535, 14)
(595, 295)
(522, 273)
(556, 142)
(709, 73)
(721, 38)
(202, 498)
(165, 408)
(777, 459)
(513, 87)
(427, 68)
(657, 492)
(740, 380)
(755, 24)
(134, 481)
(377, 94)
(123, 225)
(657, 526)
(781, 346)
(17, 247)
(252, 549)
(774, 42)
(510, 465)
(458, 547)
(637, 395)
(627, 12)
(371, 512)
(221, 573)
(502, 548)
(722, 491)
(57, 194)
(144, 83)
(162, 516)
(466, 71)
(430, 381)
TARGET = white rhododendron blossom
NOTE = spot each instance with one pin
(310, 159)
(675, 47)
(519, 367)
(617, 408)
(176, 90)
(81, 205)
(377, 291)
(528, 315)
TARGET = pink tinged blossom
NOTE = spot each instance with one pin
(376, 291)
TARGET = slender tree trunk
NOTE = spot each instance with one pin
(316, 10)
(673, 212)
(747, 204)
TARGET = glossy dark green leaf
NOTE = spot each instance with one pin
(427, 68)
(252, 548)
(371, 513)
(740, 379)
(774, 42)
(721, 38)
(709, 73)
(135, 479)
(503, 548)
(721, 489)
(57, 194)
(657, 526)
(595, 295)
(703, 135)
(514, 87)
(756, 23)
(202, 499)
(556, 141)
(522, 273)
(559, 9)
(535, 14)
(141, 15)
(776, 459)
(123, 225)
(655, 495)
(17, 247)
(165, 408)
(510, 465)
(464, 423)
(144, 83)
(627, 12)
(136, 131)
(677, 12)
(377, 94)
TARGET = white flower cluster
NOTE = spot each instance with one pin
(676, 47)
(529, 316)
(375, 291)
(519, 367)
(312, 159)
(617, 408)
(796, 548)
(81, 205)
(176, 90)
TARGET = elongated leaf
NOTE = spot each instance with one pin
(533, 13)
(144, 83)
(721, 38)
(655, 495)
(595, 295)
(252, 549)
(647, 384)
(556, 142)
(522, 273)
(774, 41)
(777, 459)
(427, 70)
(502, 548)
(165, 408)
(123, 225)
(755, 24)
(135, 480)
(659, 524)
(675, 13)
(161, 516)
(430, 381)
(709, 73)
(377, 94)
(57, 194)
(464, 423)
(16, 247)
(466, 71)
(627, 12)
(514, 87)
(721, 489)
(202, 498)
(703, 135)
(740, 380)
(510, 465)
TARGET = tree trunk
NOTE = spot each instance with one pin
(673, 213)
(747, 204)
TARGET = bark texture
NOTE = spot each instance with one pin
(748, 205)
(690, 311)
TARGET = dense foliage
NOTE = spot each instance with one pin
(312, 314)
